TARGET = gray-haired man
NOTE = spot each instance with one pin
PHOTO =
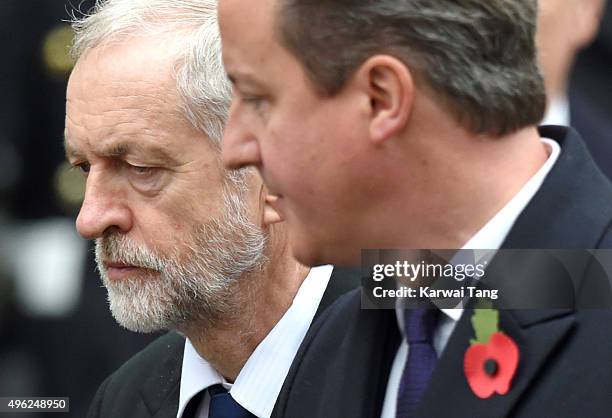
(181, 244)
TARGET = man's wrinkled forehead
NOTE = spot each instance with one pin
(132, 74)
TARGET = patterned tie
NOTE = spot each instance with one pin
(222, 405)
(419, 326)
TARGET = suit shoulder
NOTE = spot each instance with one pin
(145, 382)
(139, 366)
(337, 314)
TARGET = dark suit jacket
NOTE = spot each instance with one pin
(595, 123)
(565, 368)
(148, 384)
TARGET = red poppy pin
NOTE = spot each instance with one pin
(492, 358)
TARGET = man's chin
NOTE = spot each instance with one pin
(140, 326)
(138, 310)
(306, 255)
(313, 255)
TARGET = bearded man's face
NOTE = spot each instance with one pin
(172, 232)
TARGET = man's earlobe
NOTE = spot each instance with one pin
(270, 215)
(390, 86)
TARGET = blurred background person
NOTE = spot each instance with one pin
(577, 85)
(57, 337)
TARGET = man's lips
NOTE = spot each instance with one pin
(121, 271)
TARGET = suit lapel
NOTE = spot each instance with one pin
(160, 392)
(342, 281)
(537, 333)
(345, 374)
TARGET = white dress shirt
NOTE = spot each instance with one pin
(558, 112)
(261, 378)
(489, 237)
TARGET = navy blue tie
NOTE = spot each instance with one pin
(222, 405)
(419, 327)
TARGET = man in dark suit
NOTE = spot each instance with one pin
(386, 124)
(181, 244)
(555, 345)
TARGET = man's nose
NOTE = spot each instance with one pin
(240, 145)
(102, 209)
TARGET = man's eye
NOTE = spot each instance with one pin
(255, 101)
(141, 171)
(82, 167)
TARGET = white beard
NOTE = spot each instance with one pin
(195, 284)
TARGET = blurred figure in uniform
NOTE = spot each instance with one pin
(566, 27)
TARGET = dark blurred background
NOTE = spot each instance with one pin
(590, 93)
(57, 337)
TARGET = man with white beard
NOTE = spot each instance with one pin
(181, 244)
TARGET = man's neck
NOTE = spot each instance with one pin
(262, 298)
(468, 180)
(497, 176)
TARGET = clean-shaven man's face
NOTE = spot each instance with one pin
(307, 147)
(172, 235)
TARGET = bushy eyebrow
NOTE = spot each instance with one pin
(70, 151)
(116, 150)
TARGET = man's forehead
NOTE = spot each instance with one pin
(123, 81)
(125, 112)
(247, 51)
(136, 59)
(115, 116)
(246, 22)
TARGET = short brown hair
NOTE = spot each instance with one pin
(478, 56)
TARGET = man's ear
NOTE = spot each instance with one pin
(390, 87)
(269, 215)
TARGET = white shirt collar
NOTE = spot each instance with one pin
(558, 112)
(261, 378)
(492, 235)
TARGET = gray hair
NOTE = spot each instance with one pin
(200, 76)
(477, 56)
